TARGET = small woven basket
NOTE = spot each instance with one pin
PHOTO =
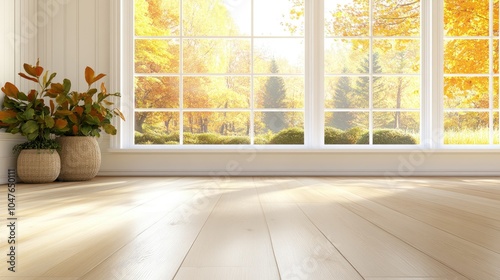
(38, 166)
(80, 158)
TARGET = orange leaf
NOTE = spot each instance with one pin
(32, 95)
(63, 112)
(79, 110)
(7, 114)
(38, 71)
(60, 124)
(35, 71)
(75, 129)
(55, 89)
(28, 78)
(90, 77)
(119, 113)
(100, 76)
(10, 90)
(52, 107)
(30, 69)
(103, 89)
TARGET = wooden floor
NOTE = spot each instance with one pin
(256, 228)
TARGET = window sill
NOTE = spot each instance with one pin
(342, 149)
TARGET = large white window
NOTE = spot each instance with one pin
(315, 74)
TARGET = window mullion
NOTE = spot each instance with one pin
(314, 75)
(437, 74)
(426, 85)
(370, 74)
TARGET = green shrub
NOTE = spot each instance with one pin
(388, 136)
(172, 143)
(352, 135)
(149, 138)
(289, 136)
(334, 136)
(208, 138)
(236, 140)
(173, 137)
(190, 138)
(263, 139)
(338, 136)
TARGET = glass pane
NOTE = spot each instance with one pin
(496, 52)
(396, 56)
(156, 18)
(466, 128)
(466, 57)
(216, 18)
(278, 18)
(216, 56)
(156, 56)
(409, 122)
(466, 92)
(496, 133)
(216, 92)
(345, 127)
(156, 92)
(287, 54)
(216, 128)
(156, 128)
(346, 92)
(347, 18)
(398, 92)
(469, 18)
(347, 56)
(396, 18)
(496, 93)
(279, 92)
(496, 22)
(279, 128)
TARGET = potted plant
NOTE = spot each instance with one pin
(28, 115)
(86, 114)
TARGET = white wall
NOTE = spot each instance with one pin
(78, 34)
(17, 43)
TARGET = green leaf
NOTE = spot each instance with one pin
(49, 121)
(11, 121)
(22, 96)
(28, 115)
(66, 85)
(52, 76)
(45, 77)
(60, 99)
(32, 136)
(29, 127)
(92, 120)
(92, 91)
(85, 130)
(109, 129)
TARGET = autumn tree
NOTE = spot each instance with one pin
(155, 18)
(274, 97)
(342, 98)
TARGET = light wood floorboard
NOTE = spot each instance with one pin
(190, 228)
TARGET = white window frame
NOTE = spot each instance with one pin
(431, 111)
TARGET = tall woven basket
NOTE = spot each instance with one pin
(80, 158)
(38, 166)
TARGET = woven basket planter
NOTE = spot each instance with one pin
(80, 158)
(38, 166)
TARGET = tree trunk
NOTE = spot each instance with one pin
(397, 117)
(139, 121)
